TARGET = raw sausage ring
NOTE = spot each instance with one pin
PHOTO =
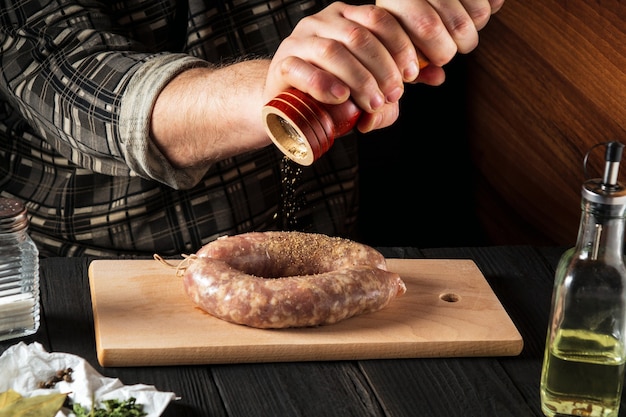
(289, 279)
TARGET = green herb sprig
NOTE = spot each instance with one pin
(112, 408)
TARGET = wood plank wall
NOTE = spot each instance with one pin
(547, 82)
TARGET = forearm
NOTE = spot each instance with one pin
(207, 114)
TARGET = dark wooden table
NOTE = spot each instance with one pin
(521, 277)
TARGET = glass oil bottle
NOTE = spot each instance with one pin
(583, 368)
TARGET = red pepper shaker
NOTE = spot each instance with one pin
(303, 128)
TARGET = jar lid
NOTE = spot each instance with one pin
(12, 215)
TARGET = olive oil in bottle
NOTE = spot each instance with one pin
(583, 368)
(585, 374)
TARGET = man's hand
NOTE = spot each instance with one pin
(345, 51)
(440, 29)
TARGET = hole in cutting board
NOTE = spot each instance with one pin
(449, 297)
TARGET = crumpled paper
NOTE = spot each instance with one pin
(23, 367)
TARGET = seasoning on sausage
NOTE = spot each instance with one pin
(289, 279)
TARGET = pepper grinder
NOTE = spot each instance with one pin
(583, 367)
(303, 128)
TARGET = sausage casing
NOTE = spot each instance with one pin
(289, 279)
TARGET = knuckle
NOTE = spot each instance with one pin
(328, 49)
(377, 15)
(428, 27)
(317, 81)
(480, 16)
(465, 32)
(288, 65)
(359, 38)
(461, 25)
(391, 81)
(296, 70)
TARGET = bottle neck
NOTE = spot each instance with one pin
(601, 231)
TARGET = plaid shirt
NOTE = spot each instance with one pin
(77, 83)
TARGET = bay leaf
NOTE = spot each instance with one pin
(37, 406)
(9, 397)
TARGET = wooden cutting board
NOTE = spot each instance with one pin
(143, 317)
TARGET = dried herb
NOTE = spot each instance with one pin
(62, 375)
(112, 408)
(13, 404)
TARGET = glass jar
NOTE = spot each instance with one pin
(19, 273)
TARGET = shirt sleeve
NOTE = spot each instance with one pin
(141, 154)
(87, 85)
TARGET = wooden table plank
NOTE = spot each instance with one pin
(306, 389)
(446, 387)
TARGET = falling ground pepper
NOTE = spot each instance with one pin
(292, 198)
